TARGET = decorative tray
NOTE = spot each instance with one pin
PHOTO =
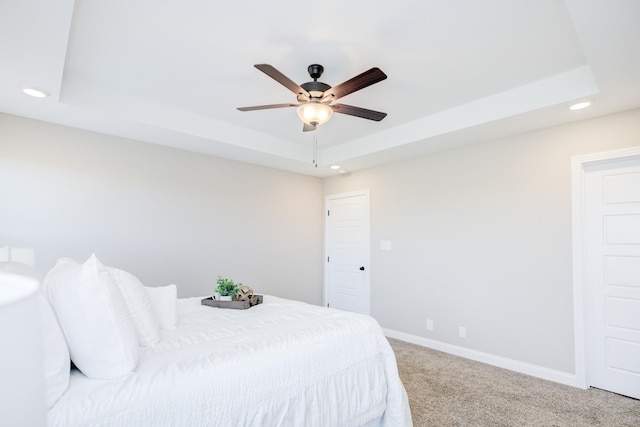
(236, 304)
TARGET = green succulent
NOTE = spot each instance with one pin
(227, 287)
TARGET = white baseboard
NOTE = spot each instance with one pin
(490, 359)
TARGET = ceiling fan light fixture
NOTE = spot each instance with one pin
(314, 113)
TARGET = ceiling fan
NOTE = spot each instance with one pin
(315, 98)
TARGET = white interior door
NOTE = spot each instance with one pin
(612, 255)
(347, 284)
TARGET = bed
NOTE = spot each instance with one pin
(279, 363)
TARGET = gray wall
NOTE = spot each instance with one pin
(481, 238)
(166, 215)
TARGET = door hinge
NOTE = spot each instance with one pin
(328, 213)
(327, 259)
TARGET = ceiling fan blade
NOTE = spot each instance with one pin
(307, 127)
(358, 82)
(358, 112)
(285, 81)
(266, 107)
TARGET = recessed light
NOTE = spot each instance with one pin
(335, 167)
(580, 105)
(36, 92)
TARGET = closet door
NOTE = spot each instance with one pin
(347, 279)
(612, 237)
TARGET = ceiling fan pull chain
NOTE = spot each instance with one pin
(315, 147)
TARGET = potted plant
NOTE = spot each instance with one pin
(227, 288)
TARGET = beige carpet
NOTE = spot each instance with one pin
(446, 390)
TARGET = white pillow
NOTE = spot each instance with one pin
(139, 305)
(48, 283)
(57, 364)
(163, 301)
(94, 318)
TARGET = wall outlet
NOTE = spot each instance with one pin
(429, 325)
(462, 331)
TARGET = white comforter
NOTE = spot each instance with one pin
(281, 363)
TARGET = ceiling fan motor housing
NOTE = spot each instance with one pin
(315, 89)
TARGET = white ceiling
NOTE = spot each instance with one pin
(172, 72)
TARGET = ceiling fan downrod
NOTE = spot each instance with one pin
(315, 71)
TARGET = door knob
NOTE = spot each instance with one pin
(361, 268)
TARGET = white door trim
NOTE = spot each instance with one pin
(578, 165)
(325, 296)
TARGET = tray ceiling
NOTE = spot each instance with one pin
(173, 72)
